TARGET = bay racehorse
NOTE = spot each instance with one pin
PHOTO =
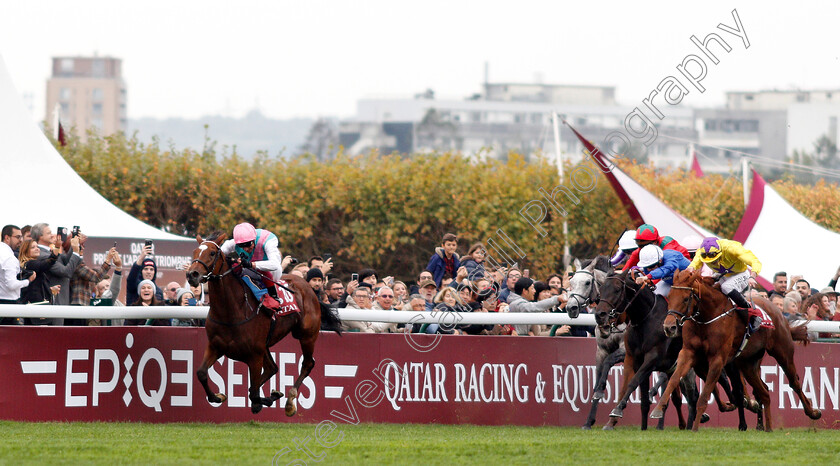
(648, 350)
(240, 330)
(712, 334)
(585, 290)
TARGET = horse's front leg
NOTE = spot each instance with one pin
(211, 355)
(629, 373)
(685, 361)
(643, 372)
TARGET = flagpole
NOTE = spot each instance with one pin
(56, 111)
(745, 165)
(555, 121)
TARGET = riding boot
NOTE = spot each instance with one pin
(742, 308)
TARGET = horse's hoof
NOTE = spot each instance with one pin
(752, 405)
(586, 427)
(616, 413)
(656, 413)
(816, 414)
(291, 402)
(759, 427)
(705, 418)
(727, 407)
(217, 398)
(598, 395)
(609, 427)
(256, 407)
(742, 427)
(275, 395)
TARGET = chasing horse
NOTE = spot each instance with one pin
(243, 323)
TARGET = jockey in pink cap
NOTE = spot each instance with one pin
(256, 249)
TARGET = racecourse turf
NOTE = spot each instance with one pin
(262, 443)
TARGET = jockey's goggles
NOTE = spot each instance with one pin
(246, 245)
(710, 255)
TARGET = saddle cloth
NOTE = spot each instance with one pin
(766, 321)
(288, 305)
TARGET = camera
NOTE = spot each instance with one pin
(293, 261)
(76, 231)
(354, 277)
(149, 242)
(62, 234)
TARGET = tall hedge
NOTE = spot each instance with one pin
(389, 212)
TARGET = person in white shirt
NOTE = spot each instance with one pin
(10, 285)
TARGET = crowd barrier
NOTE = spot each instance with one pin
(148, 374)
(364, 315)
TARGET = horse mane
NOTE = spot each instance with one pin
(217, 236)
(602, 263)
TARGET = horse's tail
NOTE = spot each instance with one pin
(799, 332)
(329, 319)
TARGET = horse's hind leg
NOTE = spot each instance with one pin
(255, 365)
(211, 355)
(307, 347)
(269, 369)
(785, 359)
(736, 394)
(762, 395)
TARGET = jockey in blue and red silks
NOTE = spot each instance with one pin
(256, 249)
(648, 234)
(659, 266)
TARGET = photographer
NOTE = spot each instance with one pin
(63, 268)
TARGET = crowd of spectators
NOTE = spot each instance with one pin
(43, 267)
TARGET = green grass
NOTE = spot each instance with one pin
(257, 443)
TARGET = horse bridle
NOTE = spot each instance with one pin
(613, 315)
(690, 313)
(581, 299)
(210, 275)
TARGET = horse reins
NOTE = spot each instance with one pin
(689, 315)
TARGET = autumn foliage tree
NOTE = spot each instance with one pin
(389, 211)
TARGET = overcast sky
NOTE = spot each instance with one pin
(317, 58)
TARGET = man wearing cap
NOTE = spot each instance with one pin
(734, 265)
(521, 300)
(428, 289)
(144, 269)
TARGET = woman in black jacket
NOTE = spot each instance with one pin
(39, 290)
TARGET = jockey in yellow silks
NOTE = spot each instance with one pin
(734, 266)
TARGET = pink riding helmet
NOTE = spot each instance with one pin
(244, 233)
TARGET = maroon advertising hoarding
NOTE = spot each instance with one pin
(148, 374)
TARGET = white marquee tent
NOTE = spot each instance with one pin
(39, 186)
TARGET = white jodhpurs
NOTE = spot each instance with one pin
(738, 281)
